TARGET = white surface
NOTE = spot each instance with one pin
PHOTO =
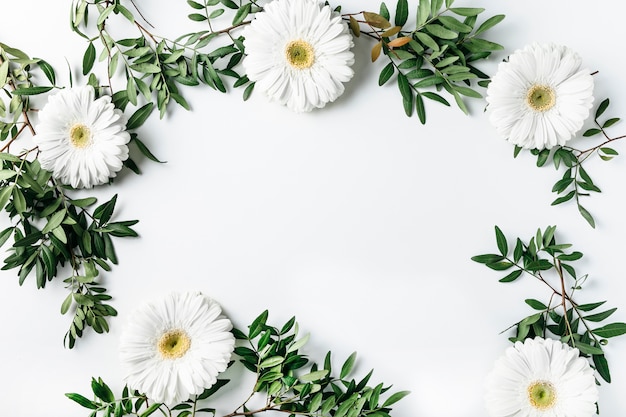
(356, 219)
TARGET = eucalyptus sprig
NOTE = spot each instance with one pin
(440, 52)
(550, 263)
(285, 378)
(52, 232)
(576, 181)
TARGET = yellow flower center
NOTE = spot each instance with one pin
(541, 97)
(300, 54)
(542, 395)
(80, 136)
(174, 344)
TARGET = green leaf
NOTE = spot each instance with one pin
(102, 391)
(600, 316)
(242, 13)
(454, 24)
(591, 132)
(47, 70)
(587, 216)
(89, 58)
(561, 185)
(19, 202)
(407, 94)
(154, 407)
(610, 330)
(197, 17)
(140, 116)
(420, 109)
(347, 366)
(602, 107)
(590, 306)
(394, 398)
(588, 349)
(84, 202)
(489, 23)
(314, 376)
(402, 12)
(55, 220)
(5, 174)
(131, 91)
(535, 304)
(31, 91)
(467, 11)
(146, 68)
(427, 40)
(512, 276)
(82, 401)
(602, 367)
(435, 97)
(5, 235)
(574, 256)
(487, 258)
(501, 242)
(500, 266)
(565, 198)
(145, 151)
(67, 303)
(609, 151)
(271, 362)
(105, 14)
(423, 12)
(298, 344)
(195, 5)
(4, 72)
(386, 73)
(83, 300)
(610, 122)
(257, 325)
(440, 31)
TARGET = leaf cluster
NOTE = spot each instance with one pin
(576, 181)
(561, 317)
(51, 230)
(155, 68)
(17, 71)
(293, 384)
(440, 53)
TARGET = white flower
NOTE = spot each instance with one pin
(298, 52)
(541, 378)
(81, 140)
(175, 348)
(540, 97)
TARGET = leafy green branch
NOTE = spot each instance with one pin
(562, 316)
(50, 230)
(285, 377)
(576, 181)
(439, 53)
(154, 67)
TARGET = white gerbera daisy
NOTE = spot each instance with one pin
(298, 52)
(540, 97)
(81, 140)
(175, 348)
(541, 378)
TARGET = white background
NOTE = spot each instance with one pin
(356, 219)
